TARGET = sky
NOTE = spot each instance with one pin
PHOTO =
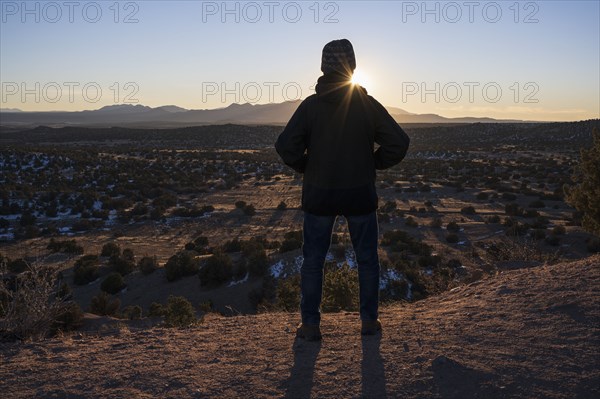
(531, 60)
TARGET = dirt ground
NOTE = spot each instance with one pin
(525, 333)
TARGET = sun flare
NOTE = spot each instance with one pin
(360, 78)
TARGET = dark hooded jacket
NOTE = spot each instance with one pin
(331, 140)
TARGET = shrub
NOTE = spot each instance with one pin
(468, 210)
(29, 304)
(258, 263)
(67, 246)
(288, 294)
(217, 270)
(482, 196)
(122, 265)
(553, 240)
(292, 240)
(584, 195)
(249, 210)
(262, 298)
(104, 305)
(282, 206)
(340, 288)
(85, 270)
(593, 244)
(537, 204)
(230, 246)
(148, 264)
(180, 265)
(388, 207)
(132, 312)
(156, 309)
(559, 230)
(411, 222)
(240, 204)
(436, 223)
(111, 249)
(539, 234)
(69, 318)
(452, 226)
(452, 238)
(113, 283)
(513, 209)
(492, 219)
(179, 312)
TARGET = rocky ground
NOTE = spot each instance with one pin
(525, 333)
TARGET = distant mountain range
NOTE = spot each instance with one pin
(128, 115)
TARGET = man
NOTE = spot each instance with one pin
(330, 139)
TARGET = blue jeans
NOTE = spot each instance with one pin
(317, 239)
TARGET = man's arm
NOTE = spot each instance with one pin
(393, 141)
(292, 142)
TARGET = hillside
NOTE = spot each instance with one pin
(527, 333)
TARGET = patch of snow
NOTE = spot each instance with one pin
(350, 258)
(7, 236)
(232, 283)
(277, 269)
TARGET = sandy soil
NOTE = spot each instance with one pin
(526, 333)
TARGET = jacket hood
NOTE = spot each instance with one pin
(335, 87)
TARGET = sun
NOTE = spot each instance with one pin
(360, 78)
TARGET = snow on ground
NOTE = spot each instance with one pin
(232, 283)
(389, 275)
(277, 269)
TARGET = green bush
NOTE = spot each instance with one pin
(468, 210)
(132, 312)
(593, 244)
(288, 294)
(110, 249)
(67, 246)
(257, 263)
(180, 265)
(122, 265)
(452, 238)
(86, 269)
(411, 222)
(105, 305)
(69, 318)
(217, 270)
(113, 283)
(453, 226)
(249, 210)
(584, 195)
(148, 264)
(436, 223)
(291, 240)
(340, 288)
(156, 309)
(179, 312)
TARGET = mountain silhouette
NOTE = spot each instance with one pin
(173, 116)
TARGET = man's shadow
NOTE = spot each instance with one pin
(300, 383)
(373, 372)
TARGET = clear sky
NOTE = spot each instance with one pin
(534, 60)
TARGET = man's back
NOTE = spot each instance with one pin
(338, 127)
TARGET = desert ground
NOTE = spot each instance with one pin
(524, 333)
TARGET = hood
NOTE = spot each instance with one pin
(335, 87)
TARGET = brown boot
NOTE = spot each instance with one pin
(370, 327)
(309, 332)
